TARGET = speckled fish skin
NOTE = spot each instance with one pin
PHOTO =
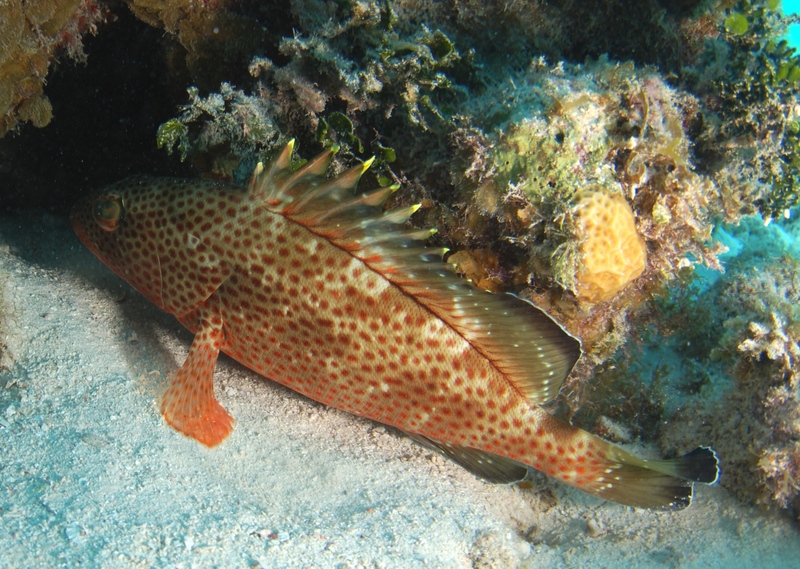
(316, 288)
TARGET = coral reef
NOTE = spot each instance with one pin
(598, 125)
(215, 38)
(226, 125)
(31, 35)
(745, 327)
(511, 123)
(747, 81)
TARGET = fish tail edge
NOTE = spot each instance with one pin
(699, 465)
(657, 484)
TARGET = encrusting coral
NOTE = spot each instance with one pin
(31, 35)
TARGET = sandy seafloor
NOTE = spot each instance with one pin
(91, 476)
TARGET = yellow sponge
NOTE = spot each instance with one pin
(612, 253)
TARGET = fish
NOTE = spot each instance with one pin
(319, 287)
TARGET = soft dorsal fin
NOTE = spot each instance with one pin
(530, 348)
(532, 351)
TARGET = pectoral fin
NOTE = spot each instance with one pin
(189, 404)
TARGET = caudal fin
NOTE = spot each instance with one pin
(659, 484)
(700, 465)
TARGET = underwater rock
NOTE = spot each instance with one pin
(600, 125)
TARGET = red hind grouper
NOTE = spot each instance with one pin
(317, 288)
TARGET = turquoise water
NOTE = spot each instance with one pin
(792, 7)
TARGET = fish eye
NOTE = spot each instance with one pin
(108, 212)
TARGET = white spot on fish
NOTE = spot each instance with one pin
(192, 241)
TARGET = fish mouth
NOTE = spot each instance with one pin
(76, 219)
(79, 218)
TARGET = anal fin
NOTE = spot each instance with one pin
(189, 404)
(491, 467)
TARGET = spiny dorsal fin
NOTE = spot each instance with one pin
(532, 351)
(305, 190)
(269, 182)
